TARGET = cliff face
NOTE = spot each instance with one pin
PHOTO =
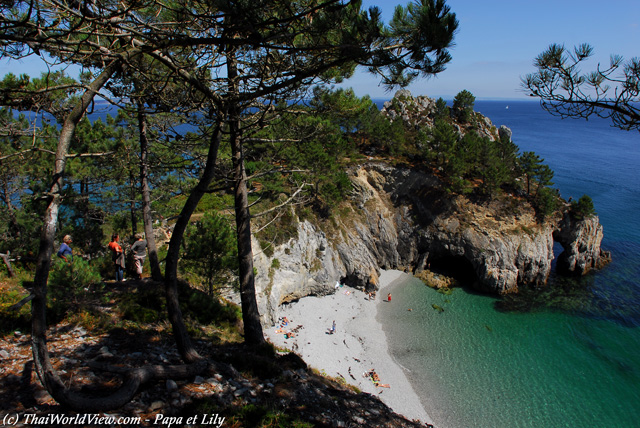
(580, 240)
(401, 218)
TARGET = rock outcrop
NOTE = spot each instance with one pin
(580, 239)
(402, 218)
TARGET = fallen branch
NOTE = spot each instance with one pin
(22, 302)
(134, 380)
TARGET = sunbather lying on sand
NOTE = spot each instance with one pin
(376, 379)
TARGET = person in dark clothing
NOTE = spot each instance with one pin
(139, 250)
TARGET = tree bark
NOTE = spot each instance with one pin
(5, 259)
(48, 376)
(183, 342)
(156, 272)
(132, 202)
(44, 369)
(134, 379)
(253, 334)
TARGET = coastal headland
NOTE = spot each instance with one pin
(401, 216)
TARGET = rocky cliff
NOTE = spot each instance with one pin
(401, 218)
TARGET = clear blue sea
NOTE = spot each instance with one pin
(571, 364)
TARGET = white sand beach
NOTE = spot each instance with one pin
(358, 345)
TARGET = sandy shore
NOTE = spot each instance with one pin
(358, 345)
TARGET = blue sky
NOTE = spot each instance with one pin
(497, 42)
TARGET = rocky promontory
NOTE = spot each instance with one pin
(401, 216)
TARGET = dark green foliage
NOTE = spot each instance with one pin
(490, 167)
(11, 320)
(147, 305)
(441, 144)
(429, 25)
(278, 231)
(538, 175)
(23, 169)
(70, 280)
(546, 202)
(611, 91)
(534, 171)
(210, 249)
(315, 142)
(583, 208)
(207, 309)
(463, 104)
(442, 110)
(508, 153)
(137, 308)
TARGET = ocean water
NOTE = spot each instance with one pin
(575, 363)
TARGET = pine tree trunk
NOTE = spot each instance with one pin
(183, 342)
(253, 334)
(156, 272)
(44, 369)
(132, 202)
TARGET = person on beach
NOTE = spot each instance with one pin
(389, 297)
(376, 379)
(333, 327)
(117, 256)
(139, 249)
(65, 250)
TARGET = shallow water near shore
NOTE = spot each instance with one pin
(474, 366)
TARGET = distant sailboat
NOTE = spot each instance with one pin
(507, 107)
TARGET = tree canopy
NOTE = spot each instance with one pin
(610, 91)
(229, 63)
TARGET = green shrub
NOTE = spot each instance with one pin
(11, 320)
(463, 105)
(70, 280)
(546, 202)
(583, 208)
(207, 309)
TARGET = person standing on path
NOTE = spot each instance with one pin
(65, 250)
(139, 249)
(117, 256)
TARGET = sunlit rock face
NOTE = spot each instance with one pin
(402, 218)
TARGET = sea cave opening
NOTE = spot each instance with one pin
(456, 267)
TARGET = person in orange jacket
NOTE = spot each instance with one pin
(117, 256)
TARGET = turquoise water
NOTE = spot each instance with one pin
(474, 366)
(573, 364)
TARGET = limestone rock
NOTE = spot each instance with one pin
(580, 240)
(402, 219)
